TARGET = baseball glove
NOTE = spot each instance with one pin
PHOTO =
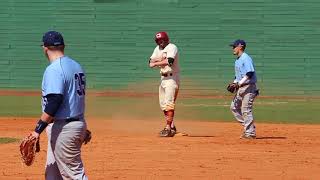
(28, 148)
(87, 137)
(233, 87)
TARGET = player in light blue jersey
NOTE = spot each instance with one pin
(245, 82)
(63, 105)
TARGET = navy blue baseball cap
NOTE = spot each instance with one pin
(52, 38)
(238, 42)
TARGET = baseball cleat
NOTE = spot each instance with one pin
(174, 129)
(167, 133)
(244, 136)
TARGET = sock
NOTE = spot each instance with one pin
(172, 124)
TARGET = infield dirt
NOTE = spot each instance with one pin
(131, 149)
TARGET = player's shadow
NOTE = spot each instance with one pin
(200, 136)
(271, 137)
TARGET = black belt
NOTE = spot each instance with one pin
(72, 119)
(166, 74)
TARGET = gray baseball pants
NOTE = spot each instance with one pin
(241, 108)
(64, 150)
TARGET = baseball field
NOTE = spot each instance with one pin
(113, 41)
(125, 143)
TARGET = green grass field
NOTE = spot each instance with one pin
(301, 111)
(6, 140)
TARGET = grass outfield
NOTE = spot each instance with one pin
(302, 111)
(6, 140)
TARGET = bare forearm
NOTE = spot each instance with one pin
(161, 63)
(43, 122)
(158, 62)
(153, 60)
(46, 118)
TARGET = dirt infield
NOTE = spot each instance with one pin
(130, 149)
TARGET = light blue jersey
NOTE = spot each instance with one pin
(65, 76)
(243, 65)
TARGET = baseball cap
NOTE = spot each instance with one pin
(238, 42)
(52, 38)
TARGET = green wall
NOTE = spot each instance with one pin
(113, 40)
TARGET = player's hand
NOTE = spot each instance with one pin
(233, 87)
(35, 134)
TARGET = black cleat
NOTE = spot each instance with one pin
(167, 133)
(174, 129)
(244, 136)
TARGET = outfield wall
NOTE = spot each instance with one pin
(113, 40)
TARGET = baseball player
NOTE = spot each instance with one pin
(246, 90)
(165, 56)
(63, 105)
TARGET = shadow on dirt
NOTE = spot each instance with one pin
(200, 136)
(271, 137)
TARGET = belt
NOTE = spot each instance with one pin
(166, 74)
(72, 119)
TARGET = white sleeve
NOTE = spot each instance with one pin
(154, 54)
(172, 51)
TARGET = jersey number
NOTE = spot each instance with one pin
(80, 83)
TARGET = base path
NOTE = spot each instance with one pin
(131, 149)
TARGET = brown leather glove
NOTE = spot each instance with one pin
(87, 137)
(28, 148)
(233, 87)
